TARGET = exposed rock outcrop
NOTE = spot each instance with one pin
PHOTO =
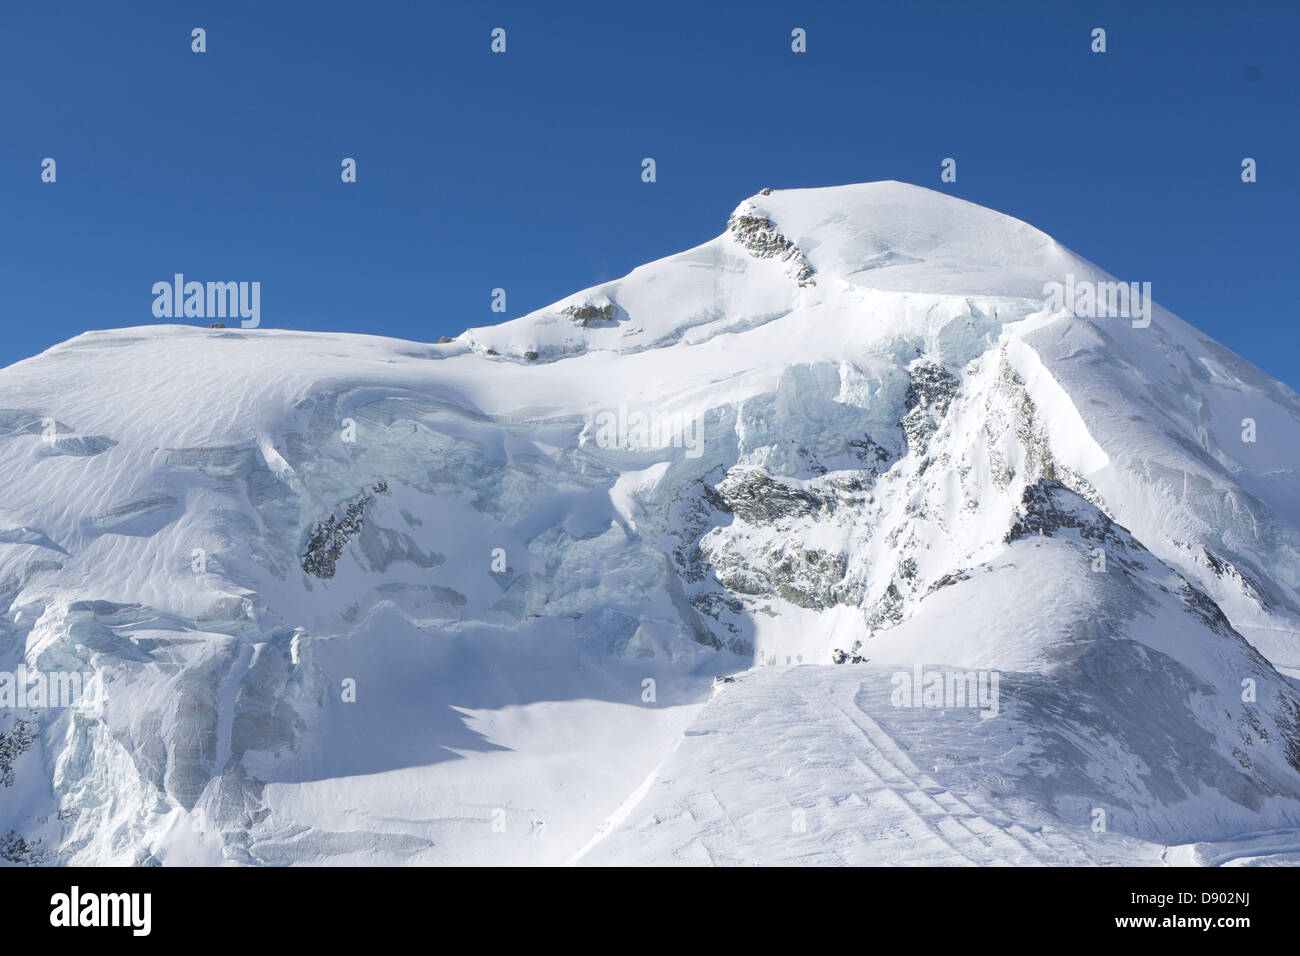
(764, 240)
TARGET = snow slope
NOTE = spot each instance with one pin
(357, 599)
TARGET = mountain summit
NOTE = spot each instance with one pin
(998, 556)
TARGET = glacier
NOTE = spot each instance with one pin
(359, 600)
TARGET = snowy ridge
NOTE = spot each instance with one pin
(363, 600)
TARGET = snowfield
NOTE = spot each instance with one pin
(361, 600)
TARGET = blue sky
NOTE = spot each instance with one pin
(522, 170)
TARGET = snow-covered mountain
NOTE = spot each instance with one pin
(354, 599)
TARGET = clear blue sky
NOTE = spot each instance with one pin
(522, 170)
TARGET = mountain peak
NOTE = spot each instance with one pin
(896, 236)
(846, 429)
(796, 251)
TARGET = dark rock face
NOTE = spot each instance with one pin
(870, 452)
(930, 392)
(948, 580)
(888, 609)
(757, 497)
(330, 537)
(1049, 507)
(13, 745)
(764, 241)
(698, 512)
(1223, 568)
(590, 314)
(1203, 606)
(809, 577)
(14, 849)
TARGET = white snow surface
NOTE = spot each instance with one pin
(902, 459)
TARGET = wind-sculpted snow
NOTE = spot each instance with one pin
(354, 599)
